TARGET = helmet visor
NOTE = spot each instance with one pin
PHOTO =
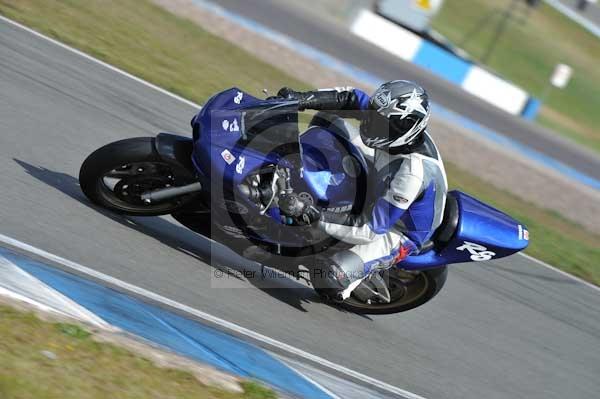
(375, 130)
(378, 131)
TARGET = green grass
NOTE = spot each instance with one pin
(81, 368)
(527, 53)
(151, 43)
(178, 55)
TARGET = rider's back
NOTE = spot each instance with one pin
(417, 178)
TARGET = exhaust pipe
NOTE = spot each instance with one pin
(171, 192)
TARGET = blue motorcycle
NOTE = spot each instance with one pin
(227, 183)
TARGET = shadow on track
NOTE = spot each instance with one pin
(188, 242)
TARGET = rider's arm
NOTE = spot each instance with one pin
(336, 99)
(364, 228)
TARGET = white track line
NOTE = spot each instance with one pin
(307, 378)
(17, 283)
(572, 277)
(206, 316)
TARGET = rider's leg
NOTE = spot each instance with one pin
(339, 271)
(379, 253)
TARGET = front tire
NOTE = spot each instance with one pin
(115, 176)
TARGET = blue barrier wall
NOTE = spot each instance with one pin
(471, 77)
(441, 62)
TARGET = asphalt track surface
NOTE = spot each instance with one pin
(592, 11)
(337, 41)
(504, 329)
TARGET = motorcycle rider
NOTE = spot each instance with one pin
(410, 181)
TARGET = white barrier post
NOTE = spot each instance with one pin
(560, 79)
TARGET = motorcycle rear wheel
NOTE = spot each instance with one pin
(406, 293)
(115, 176)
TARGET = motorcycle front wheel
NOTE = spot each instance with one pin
(116, 175)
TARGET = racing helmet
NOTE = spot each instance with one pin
(398, 113)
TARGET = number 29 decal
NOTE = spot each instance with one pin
(478, 252)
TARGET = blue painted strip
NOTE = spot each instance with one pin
(531, 108)
(184, 336)
(373, 80)
(442, 62)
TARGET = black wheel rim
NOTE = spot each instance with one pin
(123, 186)
(406, 289)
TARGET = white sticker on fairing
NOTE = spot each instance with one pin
(228, 157)
(238, 98)
(239, 168)
(523, 233)
(230, 126)
(478, 252)
(233, 126)
(339, 209)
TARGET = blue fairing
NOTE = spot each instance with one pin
(213, 135)
(487, 225)
(483, 233)
(334, 173)
(217, 131)
(223, 158)
(323, 154)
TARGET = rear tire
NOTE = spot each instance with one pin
(424, 287)
(136, 166)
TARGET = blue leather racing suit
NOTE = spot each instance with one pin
(409, 191)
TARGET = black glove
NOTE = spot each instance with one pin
(305, 99)
(311, 215)
(285, 93)
(297, 211)
(323, 100)
(289, 94)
